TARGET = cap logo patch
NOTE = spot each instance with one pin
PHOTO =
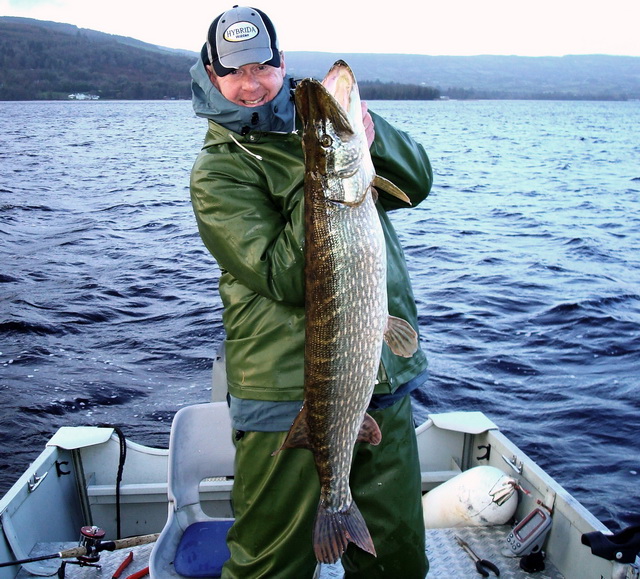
(240, 31)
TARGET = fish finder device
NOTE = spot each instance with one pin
(529, 534)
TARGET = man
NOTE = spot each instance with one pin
(247, 195)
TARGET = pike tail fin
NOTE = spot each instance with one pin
(401, 337)
(333, 531)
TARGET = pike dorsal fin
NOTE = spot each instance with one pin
(401, 337)
(298, 436)
(389, 187)
(369, 431)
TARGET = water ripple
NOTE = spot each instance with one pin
(524, 261)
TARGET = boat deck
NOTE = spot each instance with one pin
(109, 562)
(446, 558)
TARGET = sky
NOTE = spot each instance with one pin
(435, 27)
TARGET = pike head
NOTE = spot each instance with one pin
(334, 139)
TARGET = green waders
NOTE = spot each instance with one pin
(275, 500)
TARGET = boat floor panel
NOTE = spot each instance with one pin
(108, 563)
(446, 558)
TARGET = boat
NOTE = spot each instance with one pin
(91, 487)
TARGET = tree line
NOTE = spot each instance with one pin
(37, 63)
(43, 61)
(376, 90)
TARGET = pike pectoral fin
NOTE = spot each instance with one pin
(401, 337)
(389, 187)
(333, 531)
(298, 436)
(369, 431)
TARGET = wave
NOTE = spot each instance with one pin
(524, 261)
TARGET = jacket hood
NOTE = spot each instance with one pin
(277, 115)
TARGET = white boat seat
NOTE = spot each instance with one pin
(192, 543)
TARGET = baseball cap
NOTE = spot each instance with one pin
(240, 36)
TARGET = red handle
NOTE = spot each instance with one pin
(123, 566)
(139, 574)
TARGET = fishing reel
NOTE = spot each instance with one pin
(87, 552)
(91, 539)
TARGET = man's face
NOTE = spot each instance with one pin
(251, 85)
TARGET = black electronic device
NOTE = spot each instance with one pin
(529, 534)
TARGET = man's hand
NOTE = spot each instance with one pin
(367, 121)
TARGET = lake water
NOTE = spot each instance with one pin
(525, 261)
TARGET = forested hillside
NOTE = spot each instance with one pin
(47, 60)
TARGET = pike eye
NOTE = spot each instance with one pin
(326, 141)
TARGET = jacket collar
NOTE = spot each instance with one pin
(277, 115)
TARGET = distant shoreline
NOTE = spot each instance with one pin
(48, 61)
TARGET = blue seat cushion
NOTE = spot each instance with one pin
(203, 549)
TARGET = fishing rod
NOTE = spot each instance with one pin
(91, 544)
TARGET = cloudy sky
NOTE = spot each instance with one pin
(453, 27)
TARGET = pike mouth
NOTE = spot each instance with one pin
(315, 104)
(339, 82)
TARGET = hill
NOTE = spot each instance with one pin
(47, 60)
(567, 77)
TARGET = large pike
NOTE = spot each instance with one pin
(345, 299)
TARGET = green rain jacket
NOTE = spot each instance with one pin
(247, 195)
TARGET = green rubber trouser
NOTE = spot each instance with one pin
(275, 499)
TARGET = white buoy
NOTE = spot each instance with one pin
(480, 496)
